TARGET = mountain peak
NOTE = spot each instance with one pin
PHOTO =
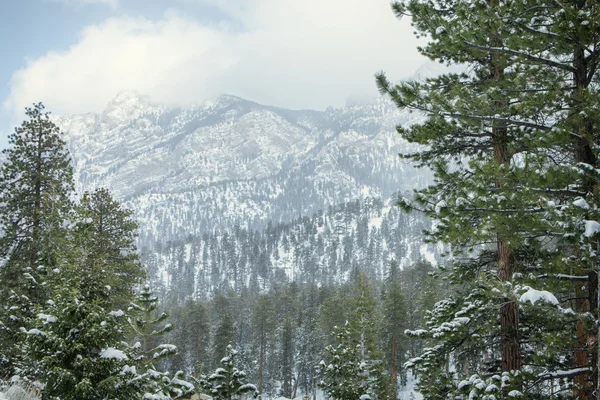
(126, 105)
(224, 100)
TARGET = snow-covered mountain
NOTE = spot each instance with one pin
(228, 162)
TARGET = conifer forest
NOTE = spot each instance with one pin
(440, 243)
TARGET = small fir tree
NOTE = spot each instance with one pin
(227, 383)
(346, 374)
(147, 327)
(79, 350)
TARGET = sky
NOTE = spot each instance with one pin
(76, 55)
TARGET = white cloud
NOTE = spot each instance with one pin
(307, 54)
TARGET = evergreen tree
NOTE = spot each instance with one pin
(286, 364)
(147, 327)
(395, 322)
(224, 334)
(35, 185)
(508, 141)
(227, 383)
(193, 338)
(79, 350)
(355, 360)
(363, 319)
(105, 236)
(346, 374)
(310, 342)
(263, 325)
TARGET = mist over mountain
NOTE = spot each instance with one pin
(196, 169)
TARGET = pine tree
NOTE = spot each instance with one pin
(224, 334)
(395, 322)
(346, 374)
(104, 236)
(263, 325)
(286, 364)
(78, 348)
(310, 341)
(192, 338)
(508, 141)
(227, 383)
(355, 359)
(35, 185)
(363, 319)
(146, 327)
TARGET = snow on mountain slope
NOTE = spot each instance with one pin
(231, 161)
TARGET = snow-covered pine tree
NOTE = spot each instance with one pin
(79, 350)
(472, 145)
(36, 182)
(346, 373)
(147, 326)
(227, 382)
(565, 50)
(79, 342)
(105, 235)
(510, 142)
(556, 44)
(355, 361)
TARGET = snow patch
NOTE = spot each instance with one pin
(118, 313)
(534, 296)
(591, 228)
(427, 254)
(47, 318)
(580, 202)
(113, 353)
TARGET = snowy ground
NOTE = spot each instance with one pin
(16, 392)
(405, 392)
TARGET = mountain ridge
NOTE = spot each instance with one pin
(193, 169)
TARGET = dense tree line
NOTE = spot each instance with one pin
(288, 336)
(322, 249)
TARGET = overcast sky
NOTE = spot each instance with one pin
(75, 55)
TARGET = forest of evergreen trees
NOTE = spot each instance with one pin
(338, 301)
(322, 249)
(282, 334)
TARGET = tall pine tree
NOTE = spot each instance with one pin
(511, 144)
(36, 182)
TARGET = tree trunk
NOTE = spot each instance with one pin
(260, 368)
(296, 385)
(393, 372)
(584, 154)
(35, 236)
(509, 311)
